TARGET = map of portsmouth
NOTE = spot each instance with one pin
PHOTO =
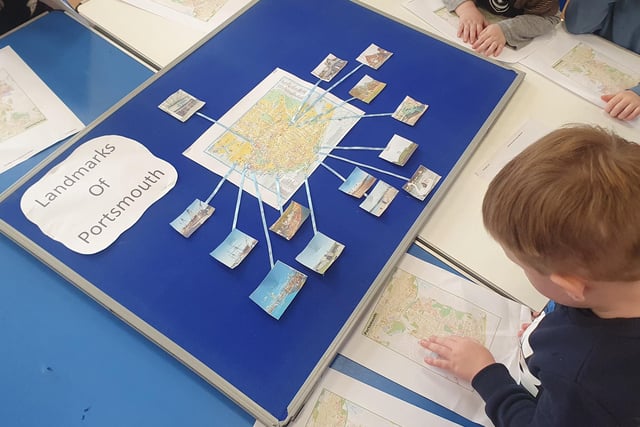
(334, 410)
(17, 111)
(276, 132)
(595, 71)
(411, 308)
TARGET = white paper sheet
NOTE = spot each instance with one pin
(420, 300)
(97, 193)
(32, 117)
(526, 135)
(434, 13)
(201, 15)
(339, 400)
(587, 65)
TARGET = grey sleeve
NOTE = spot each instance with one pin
(521, 29)
(451, 5)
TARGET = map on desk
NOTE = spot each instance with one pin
(32, 117)
(588, 66)
(420, 300)
(340, 400)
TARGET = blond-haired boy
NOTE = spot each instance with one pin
(567, 210)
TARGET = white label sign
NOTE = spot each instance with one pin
(98, 192)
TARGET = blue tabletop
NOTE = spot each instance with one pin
(64, 360)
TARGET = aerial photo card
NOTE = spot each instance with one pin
(192, 218)
(409, 111)
(234, 249)
(374, 56)
(367, 89)
(181, 105)
(357, 183)
(278, 289)
(329, 67)
(291, 220)
(320, 253)
(421, 183)
(379, 199)
(398, 150)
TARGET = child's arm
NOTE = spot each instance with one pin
(521, 29)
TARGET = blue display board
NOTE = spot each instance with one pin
(171, 290)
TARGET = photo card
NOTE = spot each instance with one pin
(379, 199)
(181, 105)
(234, 248)
(278, 289)
(320, 253)
(374, 56)
(409, 111)
(421, 183)
(192, 218)
(367, 89)
(291, 220)
(358, 183)
(329, 67)
(398, 150)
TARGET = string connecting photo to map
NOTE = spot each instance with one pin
(275, 137)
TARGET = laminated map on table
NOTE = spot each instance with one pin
(421, 300)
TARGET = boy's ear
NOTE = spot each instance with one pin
(573, 286)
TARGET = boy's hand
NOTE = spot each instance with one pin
(623, 105)
(471, 21)
(490, 41)
(463, 357)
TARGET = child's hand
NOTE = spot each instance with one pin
(471, 21)
(623, 105)
(490, 41)
(463, 357)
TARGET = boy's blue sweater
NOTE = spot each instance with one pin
(589, 369)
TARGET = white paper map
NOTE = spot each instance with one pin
(595, 71)
(421, 300)
(434, 13)
(588, 66)
(340, 400)
(32, 117)
(259, 133)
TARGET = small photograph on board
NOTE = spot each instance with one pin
(367, 89)
(278, 289)
(409, 111)
(181, 105)
(398, 150)
(320, 253)
(358, 182)
(192, 218)
(374, 56)
(329, 67)
(421, 183)
(379, 199)
(234, 249)
(291, 220)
